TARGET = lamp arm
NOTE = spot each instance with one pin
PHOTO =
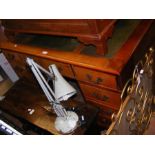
(59, 110)
(39, 81)
(50, 74)
(45, 86)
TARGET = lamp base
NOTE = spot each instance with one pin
(67, 124)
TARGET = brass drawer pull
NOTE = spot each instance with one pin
(89, 77)
(98, 80)
(99, 97)
(105, 98)
(11, 57)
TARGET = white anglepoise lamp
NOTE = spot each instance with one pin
(66, 121)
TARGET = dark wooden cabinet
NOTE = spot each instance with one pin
(100, 78)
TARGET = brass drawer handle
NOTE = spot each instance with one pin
(98, 80)
(90, 79)
(105, 98)
(11, 57)
(99, 97)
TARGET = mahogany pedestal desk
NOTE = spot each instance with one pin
(100, 78)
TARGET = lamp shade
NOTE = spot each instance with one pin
(62, 89)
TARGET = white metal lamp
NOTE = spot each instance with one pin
(66, 121)
(63, 90)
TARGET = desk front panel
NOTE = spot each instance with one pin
(103, 97)
(18, 61)
(95, 77)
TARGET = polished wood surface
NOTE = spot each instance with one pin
(25, 95)
(106, 74)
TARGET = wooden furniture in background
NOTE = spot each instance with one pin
(88, 31)
(100, 78)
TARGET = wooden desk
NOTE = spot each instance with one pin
(23, 96)
(100, 78)
(88, 31)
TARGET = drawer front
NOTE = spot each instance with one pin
(101, 96)
(104, 116)
(94, 77)
(104, 111)
(65, 69)
(18, 61)
(49, 26)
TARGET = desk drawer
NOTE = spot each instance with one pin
(100, 96)
(95, 77)
(103, 110)
(104, 116)
(18, 61)
(65, 69)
